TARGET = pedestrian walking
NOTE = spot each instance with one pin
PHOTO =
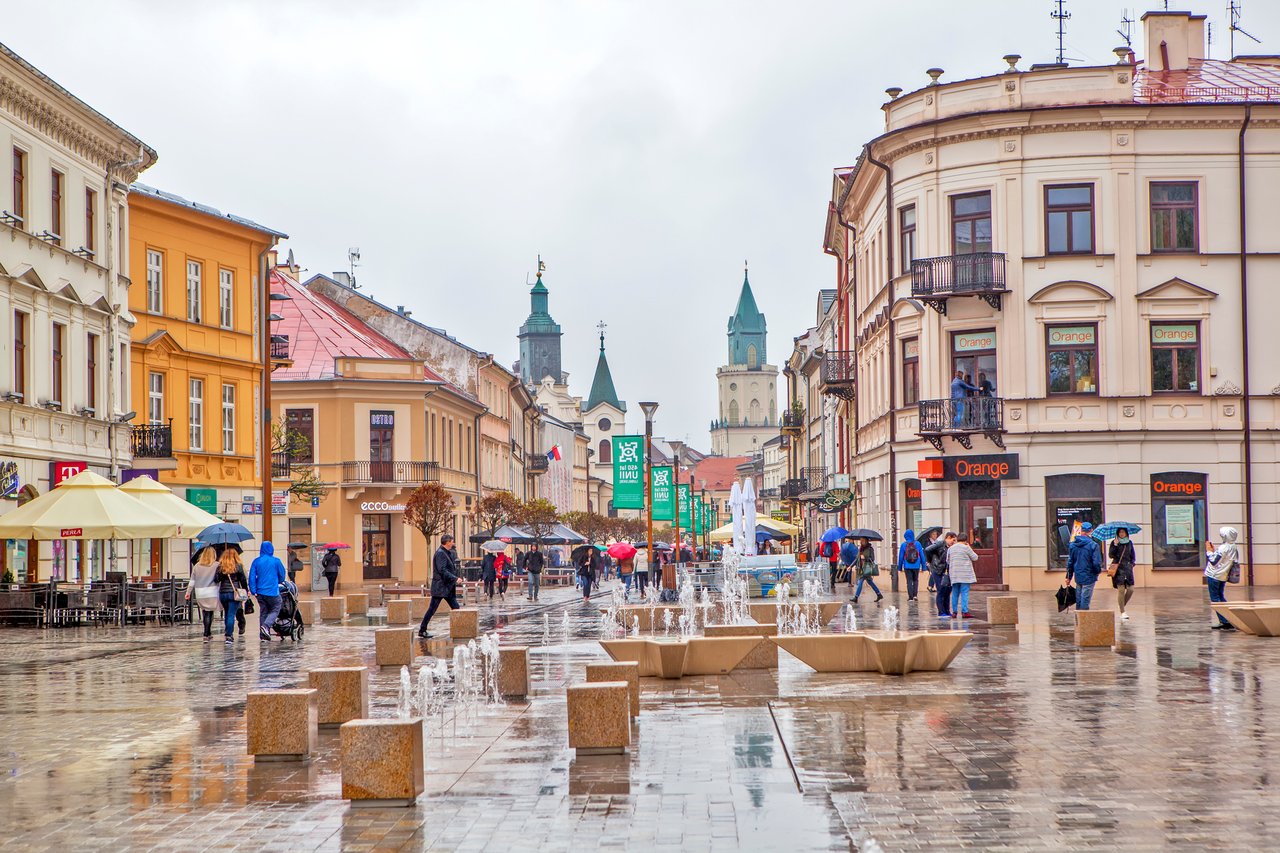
(587, 565)
(233, 589)
(203, 582)
(502, 568)
(831, 550)
(626, 572)
(865, 563)
(1122, 558)
(295, 565)
(489, 573)
(533, 563)
(960, 560)
(1084, 564)
(444, 581)
(266, 575)
(911, 561)
(1221, 567)
(939, 578)
(331, 565)
(642, 570)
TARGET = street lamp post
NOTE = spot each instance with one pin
(706, 531)
(649, 410)
(669, 570)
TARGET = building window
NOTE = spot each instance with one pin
(1070, 501)
(913, 504)
(910, 371)
(753, 357)
(155, 398)
(1073, 359)
(195, 413)
(20, 354)
(92, 377)
(970, 223)
(91, 221)
(59, 338)
(733, 412)
(907, 236)
(302, 423)
(194, 276)
(155, 281)
(55, 205)
(1068, 216)
(604, 425)
(1175, 357)
(228, 419)
(19, 186)
(973, 354)
(226, 289)
(605, 456)
(1178, 524)
(1174, 226)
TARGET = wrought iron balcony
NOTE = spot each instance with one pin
(814, 478)
(771, 492)
(281, 466)
(792, 489)
(981, 274)
(388, 472)
(961, 418)
(537, 463)
(279, 347)
(839, 370)
(152, 441)
(793, 420)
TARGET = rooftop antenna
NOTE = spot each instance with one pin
(1060, 14)
(1126, 27)
(353, 258)
(1233, 15)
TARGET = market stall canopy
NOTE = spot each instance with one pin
(166, 504)
(88, 506)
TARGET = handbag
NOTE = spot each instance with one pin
(248, 604)
(1111, 569)
(1233, 574)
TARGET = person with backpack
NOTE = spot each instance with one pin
(831, 550)
(911, 561)
(1222, 566)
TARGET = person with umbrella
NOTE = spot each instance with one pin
(489, 572)
(444, 581)
(939, 581)
(830, 543)
(233, 588)
(911, 561)
(863, 557)
(331, 565)
(1084, 564)
(1122, 558)
(625, 554)
(586, 561)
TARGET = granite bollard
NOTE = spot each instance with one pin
(1002, 610)
(342, 694)
(332, 609)
(399, 612)
(418, 606)
(382, 762)
(513, 670)
(357, 603)
(309, 610)
(599, 717)
(393, 646)
(628, 671)
(464, 624)
(1095, 628)
(280, 725)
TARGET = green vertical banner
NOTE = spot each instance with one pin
(685, 497)
(698, 518)
(628, 472)
(664, 493)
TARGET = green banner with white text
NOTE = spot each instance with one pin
(685, 499)
(628, 472)
(664, 493)
(698, 517)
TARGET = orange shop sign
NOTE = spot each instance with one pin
(1000, 466)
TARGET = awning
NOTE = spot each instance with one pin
(166, 504)
(87, 506)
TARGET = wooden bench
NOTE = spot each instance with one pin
(397, 591)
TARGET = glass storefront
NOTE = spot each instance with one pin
(376, 540)
(1178, 524)
(913, 505)
(1071, 500)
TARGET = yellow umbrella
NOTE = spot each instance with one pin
(165, 504)
(780, 526)
(86, 506)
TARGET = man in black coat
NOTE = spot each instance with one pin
(533, 564)
(444, 581)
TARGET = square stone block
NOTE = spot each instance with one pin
(599, 717)
(309, 610)
(1095, 628)
(357, 603)
(768, 611)
(393, 646)
(399, 612)
(627, 671)
(342, 693)
(332, 609)
(418, 606)
(764, 656)
(513, 670)
(1002, 610)
(382, 763)
(464, 624)
(281, 724)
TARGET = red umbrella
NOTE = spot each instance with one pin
(622, 550)
(334, 546)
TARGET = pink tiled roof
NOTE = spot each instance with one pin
(1209, 81)
(720, 472)
(320, 331)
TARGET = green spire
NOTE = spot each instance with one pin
(602, 390)
(747, 329)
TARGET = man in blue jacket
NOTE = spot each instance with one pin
(266, 574)
(911, 561)
(1084, 564)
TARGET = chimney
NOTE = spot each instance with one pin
(342, 277)
(1172, 40)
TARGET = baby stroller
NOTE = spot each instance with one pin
(289, 621)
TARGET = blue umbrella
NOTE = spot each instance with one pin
(224, 534)
(1103, 532)
(834, 534)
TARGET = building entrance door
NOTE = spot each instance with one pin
(377, 546)
(980, 510)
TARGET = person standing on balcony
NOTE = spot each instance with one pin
(959, 390)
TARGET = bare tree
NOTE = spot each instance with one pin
(539, 517)
(493, 511)
(304, 483)
(430, 510)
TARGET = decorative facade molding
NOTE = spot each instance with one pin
(1227, 389)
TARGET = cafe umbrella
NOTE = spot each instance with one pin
(165, 503)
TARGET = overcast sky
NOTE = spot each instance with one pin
(645, 149)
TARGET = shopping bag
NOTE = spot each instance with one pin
(1066, 596)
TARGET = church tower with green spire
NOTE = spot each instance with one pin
(603, 417)
(748, 384)
(540, 338)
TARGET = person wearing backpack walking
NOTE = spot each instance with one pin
(911, 561)
(831, 550)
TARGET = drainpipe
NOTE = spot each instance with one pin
(264, 329)
(1246, 424)
(893, 385)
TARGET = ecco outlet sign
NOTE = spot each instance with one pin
(380, 506)
(1002, 466)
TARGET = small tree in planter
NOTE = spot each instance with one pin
(430, 510)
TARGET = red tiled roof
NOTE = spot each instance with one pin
(720, 472)
(1209, 81)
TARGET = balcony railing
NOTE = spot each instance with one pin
(281, 466)
(960, 418)
(537, 463)
(771, 492)
(388, 472)
(152, 441)
(792, 489)
(839, 370)
(981, 274)
(279, 348)
(814, 478)
(793, 419)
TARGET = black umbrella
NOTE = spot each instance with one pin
(927, 532)
(293, 545)
(578, 552)
(1066, 596)
(864, 533)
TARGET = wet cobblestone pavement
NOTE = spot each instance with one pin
(133, 739)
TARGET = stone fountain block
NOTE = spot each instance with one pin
(1261, 618)
(599, 717)
(677, 658)
(768, 613)
(357, 603)
(342, 694)
(648, 620)
(382, 762)
(393, 646)
(1002, 610)
(309, 610)
(513, 670)
(886, 652)
(418, 606)
(399, 612)
(937, 649)
(332, 609)
(1095, 628)
(627, 671)
(281, 724)
(718, 655)
(830, 652)
(464, 624)
(763, 656)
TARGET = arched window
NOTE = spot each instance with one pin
(753, 358)
(754, 412)
(773, 407)
(605, 455)
(733, 411)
